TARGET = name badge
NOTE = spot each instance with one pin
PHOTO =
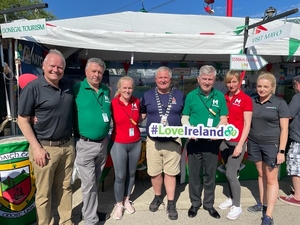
(105, 117)
(210, 122)
(131, 132)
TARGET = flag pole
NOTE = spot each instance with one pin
(229, 8)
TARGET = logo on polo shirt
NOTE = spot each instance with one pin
(270, 107)
(134, 106)
(237, 102)
(174, 101)
(215, 103)
(106, 99)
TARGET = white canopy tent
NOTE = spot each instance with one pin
(158, 37)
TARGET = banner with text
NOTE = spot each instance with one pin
(269, 35)
(227, 132)
(24, 28)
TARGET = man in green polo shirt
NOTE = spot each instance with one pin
(205, 106)
(91, 125)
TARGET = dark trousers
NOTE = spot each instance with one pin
(202, 159)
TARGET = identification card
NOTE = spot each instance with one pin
(131, 132)
(105, 118)
(210, 122)
(164, 120)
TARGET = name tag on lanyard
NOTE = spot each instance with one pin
(210, 122)
(105, 117)
(131, 132)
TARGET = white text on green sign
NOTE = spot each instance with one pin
(227, 132)
(269, 35)
(247, 62)
(24, 28)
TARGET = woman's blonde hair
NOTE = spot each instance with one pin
(230, 74)
(120, 82)
(270, 77)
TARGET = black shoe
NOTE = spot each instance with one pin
(154, 205)
(266, 220)
(193, 211)
(101, 215)
(264, 210)
(213, 212)
(171, 210)
(258, 207)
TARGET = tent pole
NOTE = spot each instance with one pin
(229, 8)
(11, 88)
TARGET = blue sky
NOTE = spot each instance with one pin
(254, 8)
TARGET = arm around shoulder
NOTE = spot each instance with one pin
(143, 116)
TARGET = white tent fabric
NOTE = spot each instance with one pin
(159, 37)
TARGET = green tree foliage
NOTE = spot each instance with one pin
(31, 14)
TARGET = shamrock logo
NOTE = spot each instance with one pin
(230, 132)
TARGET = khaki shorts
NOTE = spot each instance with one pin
(163, 157)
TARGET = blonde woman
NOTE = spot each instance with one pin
(239, 107)
(267, 141)
(126, 148)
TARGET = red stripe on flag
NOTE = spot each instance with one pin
(242, 76)
(207, 33)
(50, 25)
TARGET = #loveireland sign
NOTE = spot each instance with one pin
(227, 132)
(24, 28)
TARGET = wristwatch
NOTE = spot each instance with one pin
(281, 151)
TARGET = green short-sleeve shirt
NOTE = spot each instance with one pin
(89, 107)
(197, 107)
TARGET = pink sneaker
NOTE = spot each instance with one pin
(118, 212)
(129, 207)
(290, 199)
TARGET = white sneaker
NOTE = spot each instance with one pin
(118, 212)
(226, 204)
(129, 207)
(234, 212)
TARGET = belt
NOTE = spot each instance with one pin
(90, 140)
(170, 140)
(54, 143)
